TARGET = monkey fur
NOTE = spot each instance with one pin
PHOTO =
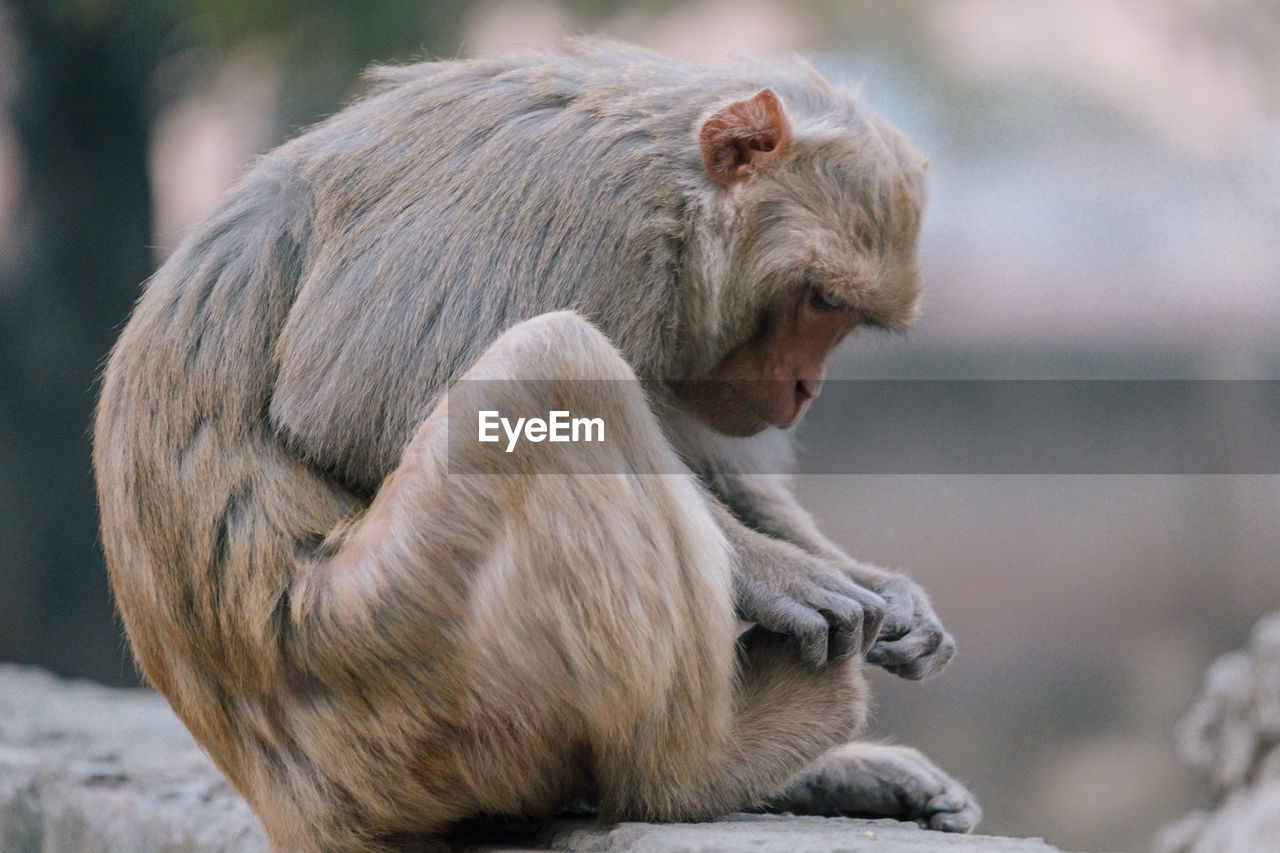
(374, 641)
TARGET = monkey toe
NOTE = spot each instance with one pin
(923, 792)
(953, 811)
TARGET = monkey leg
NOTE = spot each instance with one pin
(874, 781)
(516, 638)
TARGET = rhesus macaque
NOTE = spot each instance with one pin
(376, 638)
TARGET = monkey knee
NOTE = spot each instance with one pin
(579, 351)
(564, 325)
(560, 345)
(559, 376)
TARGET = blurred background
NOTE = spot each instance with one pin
(1105, 204)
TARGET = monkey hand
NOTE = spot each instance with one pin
(830, 615)
(912, 642)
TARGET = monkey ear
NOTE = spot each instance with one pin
(744, 138)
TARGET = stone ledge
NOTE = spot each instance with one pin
(91, 769)
(782, 834)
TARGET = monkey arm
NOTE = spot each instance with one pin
(769, 527)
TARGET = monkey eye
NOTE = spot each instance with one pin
(824, 301)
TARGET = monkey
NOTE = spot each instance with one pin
(378, 632)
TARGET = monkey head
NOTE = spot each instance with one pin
(813, 218)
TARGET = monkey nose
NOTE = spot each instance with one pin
(807, 389)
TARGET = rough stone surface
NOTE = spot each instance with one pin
(784, 834)
(89, 769)
(1232, 736)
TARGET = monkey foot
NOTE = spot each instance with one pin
(874, 781)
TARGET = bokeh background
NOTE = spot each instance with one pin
(1105, 204)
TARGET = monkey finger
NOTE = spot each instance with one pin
(874, 605)
(813, 631)
(909, 649)
(894, 652)
(841, 583)
(852, 627)
(841, 642)
(941, 656)
(813, 646)
(895, 626)
(871, 609)
(872, 620)
(925, 665)
(911, 671)
(907, 609)
(808, 626)
(903, 615)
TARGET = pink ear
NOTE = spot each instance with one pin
(744, 138)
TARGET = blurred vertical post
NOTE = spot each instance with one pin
(75, 255)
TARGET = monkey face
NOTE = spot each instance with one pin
(769, 379)
(823, 241)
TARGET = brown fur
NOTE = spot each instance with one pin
(374, 641)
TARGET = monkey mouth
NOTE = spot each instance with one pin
(762, 417)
